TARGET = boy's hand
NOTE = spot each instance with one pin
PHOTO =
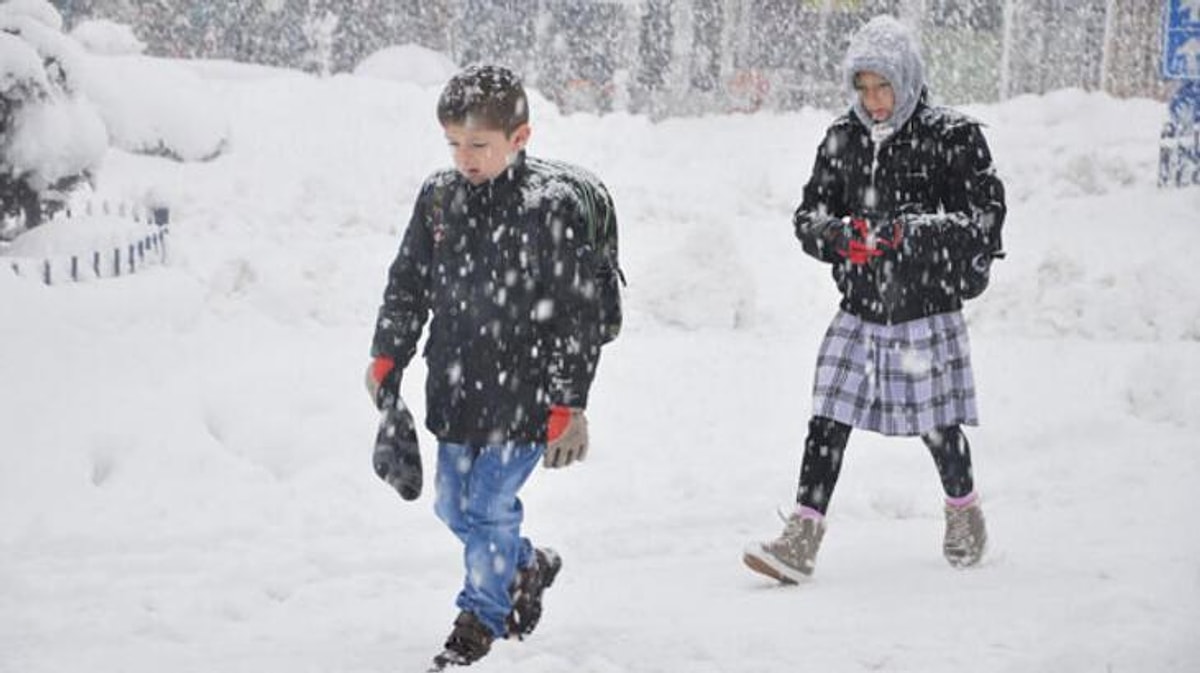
(566, 437)
(383, 382)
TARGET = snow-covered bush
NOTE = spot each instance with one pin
(38, 10)
(157, 107)
(64, 98)
(51, 138)
(408, 63)
(149, 106)
(101, 36)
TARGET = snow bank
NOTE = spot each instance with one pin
(39, 10)
(101, 36)
(408, 63)
(157, 107)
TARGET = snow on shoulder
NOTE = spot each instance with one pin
(558, 180)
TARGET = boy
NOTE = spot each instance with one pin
(904, 203)
(499, 251)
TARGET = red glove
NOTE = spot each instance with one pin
(865, 244)
(860, 250)
(381, 367)
(896, 239)
(560, 418)
(383, 381)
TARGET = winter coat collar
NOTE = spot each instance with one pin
(507, 179)
(853, 118)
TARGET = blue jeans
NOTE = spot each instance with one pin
(477, 498)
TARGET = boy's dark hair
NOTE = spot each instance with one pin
(489, 95)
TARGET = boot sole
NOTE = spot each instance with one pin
(765, 565)
(555, 563)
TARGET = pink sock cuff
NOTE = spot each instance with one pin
(964, 501)
(806, 512)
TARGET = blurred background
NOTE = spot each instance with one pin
(675, 57)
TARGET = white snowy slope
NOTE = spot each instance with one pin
(185, 482)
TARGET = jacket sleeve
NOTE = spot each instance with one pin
(406, 298)
(571, 307)
(973, 204)
(818, 218)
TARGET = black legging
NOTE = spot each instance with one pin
(826, 442)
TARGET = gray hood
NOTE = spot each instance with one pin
(885, 46)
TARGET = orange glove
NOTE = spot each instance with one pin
(566, 436)
(383, 382)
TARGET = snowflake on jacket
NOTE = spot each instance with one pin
(507, 272)
(935, 179)
(928, 190)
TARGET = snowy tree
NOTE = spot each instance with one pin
(319, 31)
(963, 48)
(51, 137)
(580, 54)
(655, 36)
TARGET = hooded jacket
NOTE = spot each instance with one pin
(506, 271)
(924, 178)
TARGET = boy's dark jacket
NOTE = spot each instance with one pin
(933, 176)
(507, 271)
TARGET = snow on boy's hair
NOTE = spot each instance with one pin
(886, 47)
(487, 96)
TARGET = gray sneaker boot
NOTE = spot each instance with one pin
(788, 558)
(966, 535)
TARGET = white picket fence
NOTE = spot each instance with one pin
(100, 242)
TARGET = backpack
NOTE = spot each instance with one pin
(975, 273)
(596, 207)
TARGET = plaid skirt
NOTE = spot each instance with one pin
(904, 379)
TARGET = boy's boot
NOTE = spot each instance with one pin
(468, 642)
(790, 557)
(528, 587)
(966, 534)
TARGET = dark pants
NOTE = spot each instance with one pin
(827, 441)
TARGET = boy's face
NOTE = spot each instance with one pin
(481, 154)
(876, 95)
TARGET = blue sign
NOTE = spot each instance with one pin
(1181, 40)
(1179, 146)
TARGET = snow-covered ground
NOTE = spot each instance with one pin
(185, 480)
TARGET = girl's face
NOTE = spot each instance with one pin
(876, 95)
(482, 154)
